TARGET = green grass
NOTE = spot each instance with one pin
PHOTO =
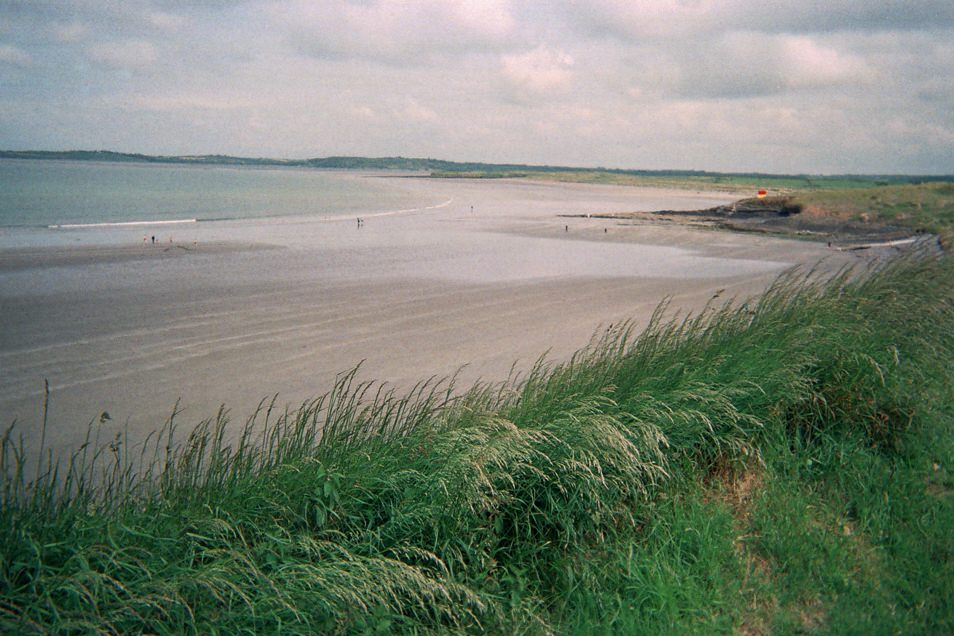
(928, 206)
(775, 466)
(743, 183)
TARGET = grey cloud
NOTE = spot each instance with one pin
(855, 15)
(640, 19)
(98, 12)
(77, 21)
(740, 65)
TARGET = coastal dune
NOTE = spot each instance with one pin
(234, 313)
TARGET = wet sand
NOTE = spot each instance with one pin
(15, 259)
(239, 311)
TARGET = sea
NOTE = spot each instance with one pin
(41, 200)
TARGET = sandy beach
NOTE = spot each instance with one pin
(234, 312)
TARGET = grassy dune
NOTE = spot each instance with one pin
(778, 466)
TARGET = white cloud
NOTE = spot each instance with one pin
(396, 31)
(124, 54)
(804, 62)
(14, 56)
(164, 21)
(416, 111)
(365, 112)
(70, 32)
(489, 20)
(538, 72)
(177, 103)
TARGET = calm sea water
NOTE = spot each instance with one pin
(77, 194)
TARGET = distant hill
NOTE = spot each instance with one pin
(340, 163)
(123, 157)
(439, 167)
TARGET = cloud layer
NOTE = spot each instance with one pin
(783, 86)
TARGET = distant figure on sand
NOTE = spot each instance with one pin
(153, 240)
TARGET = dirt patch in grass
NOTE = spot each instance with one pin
(761, 603)
(812, 615)
(740, 492)
(739, 488)
(939, 482)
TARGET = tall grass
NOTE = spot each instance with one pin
(778, 465)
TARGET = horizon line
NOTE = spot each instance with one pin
(211, 158)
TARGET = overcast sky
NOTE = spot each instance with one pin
(817, 86)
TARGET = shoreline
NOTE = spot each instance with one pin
(282, 308)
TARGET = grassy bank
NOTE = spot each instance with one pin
(780, 466)
(928, 206)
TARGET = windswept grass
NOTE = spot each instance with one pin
(775, 466)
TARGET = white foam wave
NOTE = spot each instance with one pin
(407, 210)
(83, 226)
